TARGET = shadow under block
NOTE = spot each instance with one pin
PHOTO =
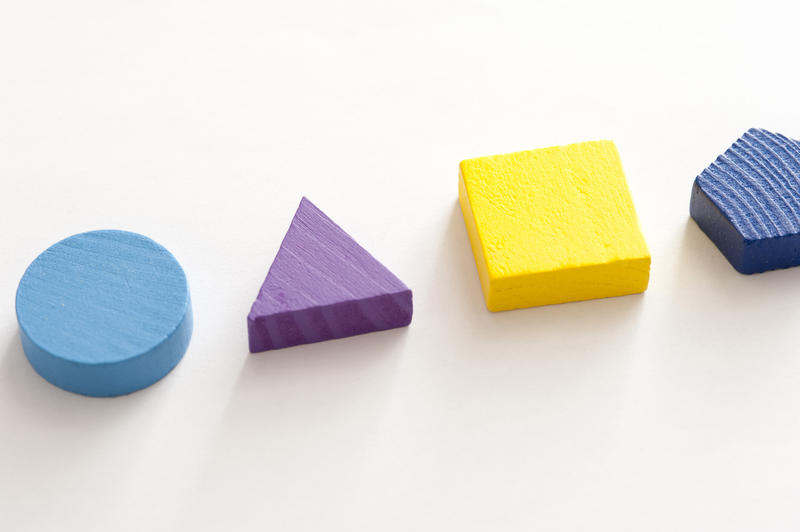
(552, 225)
(104, 313)
(323, 285)
(748, 202)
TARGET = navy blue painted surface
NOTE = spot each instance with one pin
(104, 313)
(748, 202)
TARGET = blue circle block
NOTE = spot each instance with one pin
(104, 313)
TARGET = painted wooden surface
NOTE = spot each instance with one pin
(552, 225)
(748, 202)
(104, 313)
(323, 285)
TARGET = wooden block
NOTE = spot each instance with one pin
(748, 202)
(323, 285)
(104, 313)
(552, 225)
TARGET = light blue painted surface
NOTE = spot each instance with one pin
(104, 313)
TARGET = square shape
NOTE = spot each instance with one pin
(748, 202)
(553, 225)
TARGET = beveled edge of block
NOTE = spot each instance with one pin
(478, 249)
(548, 277)
(746, 255)
(333, 321)
(543, 148)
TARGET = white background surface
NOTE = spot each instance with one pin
(201, 124)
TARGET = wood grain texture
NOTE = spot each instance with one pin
(748, 202)
(552, 225)
(104, 313)
(323, 285)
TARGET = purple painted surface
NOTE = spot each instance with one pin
(323, 285)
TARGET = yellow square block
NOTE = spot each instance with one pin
(553, 225)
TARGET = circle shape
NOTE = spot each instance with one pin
(104, 313)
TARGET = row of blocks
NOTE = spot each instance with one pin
(109, 312)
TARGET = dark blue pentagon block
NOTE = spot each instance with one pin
(748, 202)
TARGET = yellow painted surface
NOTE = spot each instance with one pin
(553, 225)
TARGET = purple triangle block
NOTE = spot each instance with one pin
(323, 285)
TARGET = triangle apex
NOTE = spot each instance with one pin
(306, 205)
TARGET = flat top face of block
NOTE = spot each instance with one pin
(102, 297)
(756, 184)
(552, 208)
(319, 264)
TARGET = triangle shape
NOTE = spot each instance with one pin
(323, 285)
